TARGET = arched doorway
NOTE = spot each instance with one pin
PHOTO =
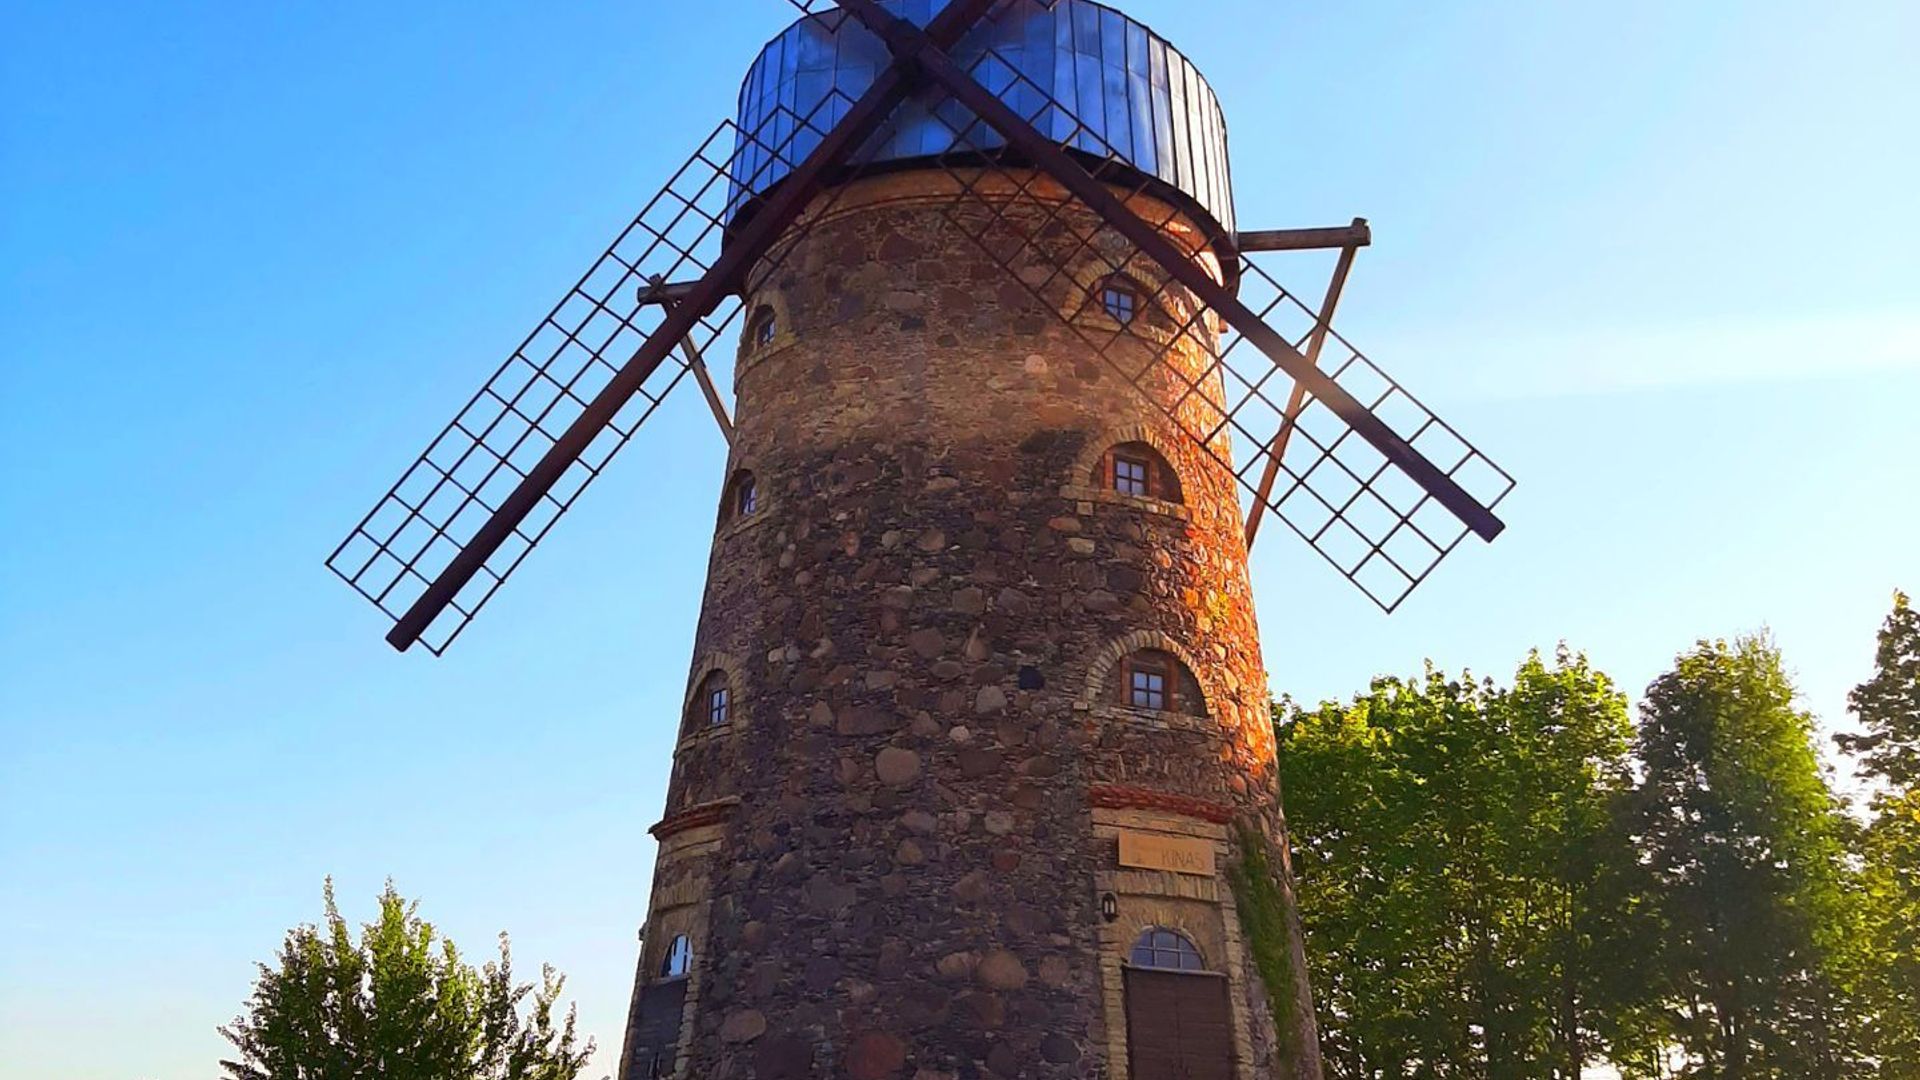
(1179, 1017)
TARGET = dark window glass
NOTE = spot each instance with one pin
(1148, 689)
(679, 959)
(1130, 476)
(763, 328)
(748, 498)
(717, 703)
(1120, 303)
(1166, 951)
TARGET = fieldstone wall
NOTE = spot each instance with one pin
(921, 619)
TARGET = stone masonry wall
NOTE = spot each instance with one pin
(920, 623)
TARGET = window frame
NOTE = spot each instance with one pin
(1129, 300)
(710, 706)
(1170, 680)
(1124, 484)
(1161, 481)
(680, 948)
(1180, 947)
(764, 330)
(1147, 688)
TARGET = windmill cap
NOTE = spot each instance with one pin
(1120, 91)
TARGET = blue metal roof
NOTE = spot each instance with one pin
(1124, 86)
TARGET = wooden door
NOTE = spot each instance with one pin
(1179, 1026)
(655, 1039)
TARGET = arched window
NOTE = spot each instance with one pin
(1138, 469)
(1156, 680)
(712, 704)
(677, 963)
(1166, 950)
(762, 327)
(742, 498)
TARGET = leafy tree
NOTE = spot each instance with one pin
(1888, 705)
(1744, 841)
(1890, 853)
(400, 1004)
(1460, 871)
(1888, 709)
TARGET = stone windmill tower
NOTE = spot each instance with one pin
(975, 773)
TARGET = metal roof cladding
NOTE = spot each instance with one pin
(1120, 89)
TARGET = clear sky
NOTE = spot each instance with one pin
(1659, 259)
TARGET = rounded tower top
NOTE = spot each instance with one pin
(1119, 87)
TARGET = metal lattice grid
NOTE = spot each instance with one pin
(414, 532)
(1360, 511)
(821, 9)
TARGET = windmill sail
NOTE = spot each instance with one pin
(572, 357)
(1368, 501)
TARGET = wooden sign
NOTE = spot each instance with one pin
(1179, 854)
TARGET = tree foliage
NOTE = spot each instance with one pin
(1460, 872)
(398, 1004)
(1745, 843)
(1521, 882)
(1887, 707)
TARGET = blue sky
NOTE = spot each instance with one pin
(1658, 259)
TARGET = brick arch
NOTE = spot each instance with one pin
(1119, 649)
(1087, 465)
(704, 666)
(1199, 941)
(730, 494)
(768, 298)
(1151, 285)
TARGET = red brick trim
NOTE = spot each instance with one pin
(712, 813)
(1118, 797)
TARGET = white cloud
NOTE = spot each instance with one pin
(1505, 363)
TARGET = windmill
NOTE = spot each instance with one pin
(1032, 198)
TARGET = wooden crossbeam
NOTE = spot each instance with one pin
(1356, 235)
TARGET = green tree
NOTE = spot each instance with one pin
(1890, 876)
(1887, 707)
(1459, 867)
(399, 1004)
(1744, 842)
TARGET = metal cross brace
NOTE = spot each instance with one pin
(659, 292)
(1277, 449)
(913, 46)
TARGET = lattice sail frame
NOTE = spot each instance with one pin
(1361, 512)
(1350, 503)
(441, 501)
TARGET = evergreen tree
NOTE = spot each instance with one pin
(1743, 839)
(399, 1004)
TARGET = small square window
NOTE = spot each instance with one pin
(763, 330)
(1148, 690)
(717, 705)
(1120, 303)
(1129, 476)
(748, 499)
